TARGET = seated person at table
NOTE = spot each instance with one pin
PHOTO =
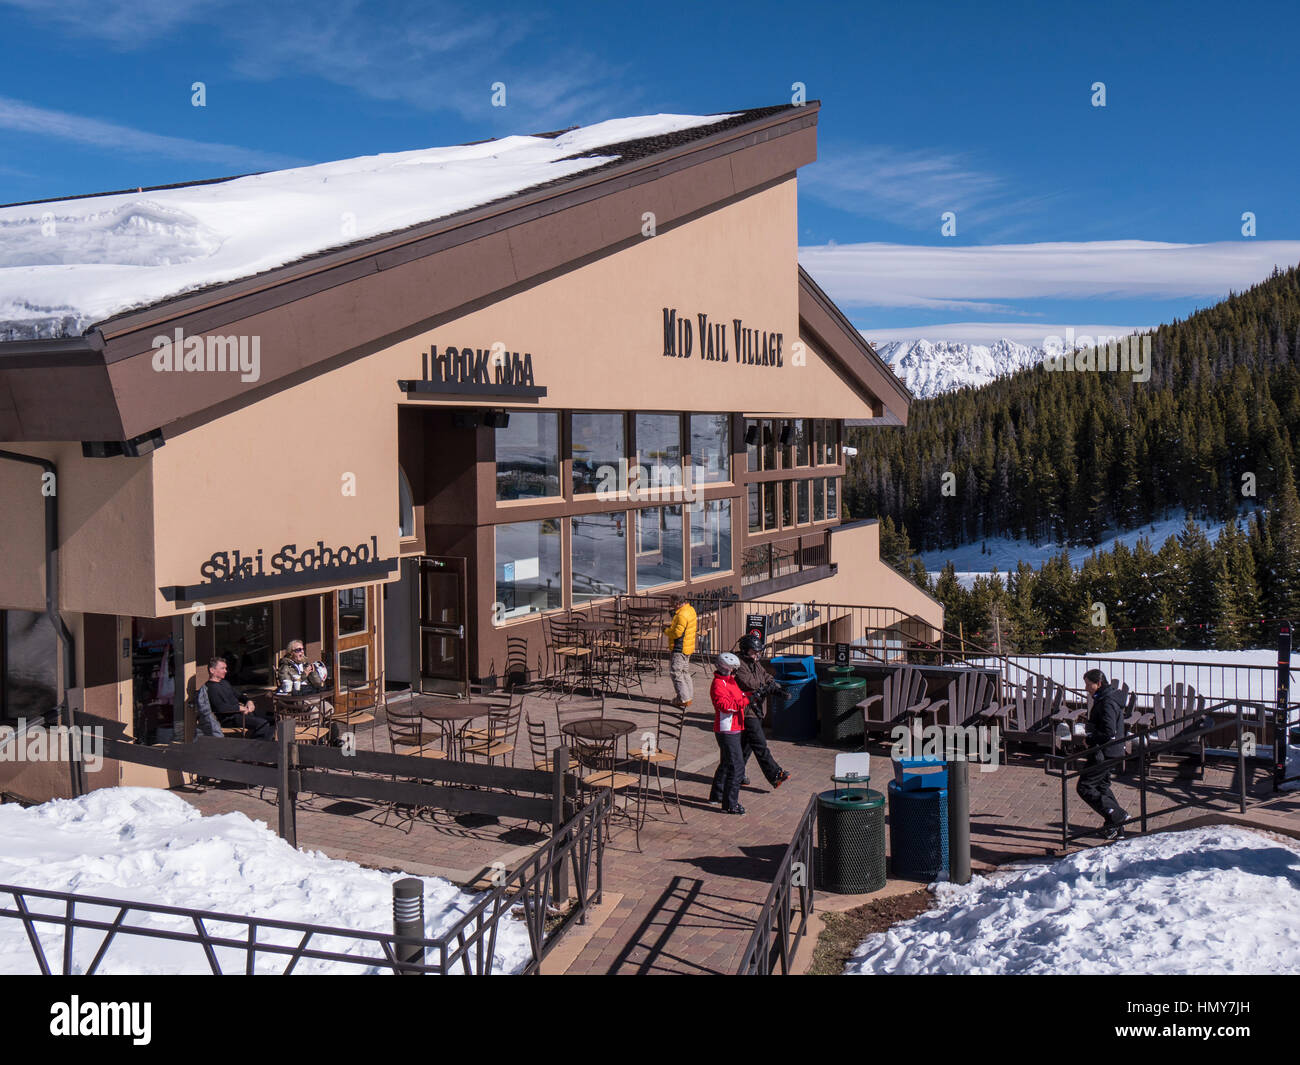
(217, 701)
(294, 666)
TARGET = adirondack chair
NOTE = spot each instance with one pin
(902, 699)
(972, 698)
(1031, 712)
(1173, 702)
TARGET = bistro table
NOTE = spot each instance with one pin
(601, 736)
(306, 708)
(452, 717)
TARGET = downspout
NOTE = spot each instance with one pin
(66, 671)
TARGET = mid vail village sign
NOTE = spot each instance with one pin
(752, 347)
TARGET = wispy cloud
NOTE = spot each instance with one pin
(430, 59)
(914, 188)
(20, 117)
(982, 278)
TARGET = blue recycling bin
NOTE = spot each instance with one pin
(794, 714)
(918, 819)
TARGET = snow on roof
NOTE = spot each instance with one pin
(67, 264)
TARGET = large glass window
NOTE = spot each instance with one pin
(753, 451)
(755, 508)
(598, 445)
(710, 537)
(802, 441)
(711, 447)
(832, 446)
(658, 546)
(528, 578)
(818, 441)
(832, 497)
(801, 501)
(242, 635)
(659, 449)
(28, 664)
(352, 612)
(769, 504)
(528, 456)
(769, 434)
(787, 503)
(819, 499)
(599, 556)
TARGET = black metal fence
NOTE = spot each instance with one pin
(776, 933)
(535, 889)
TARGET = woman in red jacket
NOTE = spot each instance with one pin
(729, 704)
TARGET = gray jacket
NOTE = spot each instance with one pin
(207, 724)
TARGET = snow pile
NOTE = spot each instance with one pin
(67, 264)
(147, 845)
(1208, 900)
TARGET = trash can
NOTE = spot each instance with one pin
(918, 819)
(836, 673)
(794, 714)
(850, 841)
(837, 702)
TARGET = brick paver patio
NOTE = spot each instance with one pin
(687, 903)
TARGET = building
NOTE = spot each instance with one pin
(420, 403)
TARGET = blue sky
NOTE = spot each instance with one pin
(1066, 213)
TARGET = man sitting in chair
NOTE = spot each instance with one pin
(218, 705)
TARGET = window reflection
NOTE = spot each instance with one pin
(528, 456)
(598, 446)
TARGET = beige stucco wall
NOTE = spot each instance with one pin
(105, 515)
(275, 473)
(596, 333)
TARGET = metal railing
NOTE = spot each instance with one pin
(777, 558)
(776, 936)
(1192, 727)
(535, 886)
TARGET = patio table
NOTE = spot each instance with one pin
(452, 718)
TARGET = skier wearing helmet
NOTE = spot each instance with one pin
(729, 704)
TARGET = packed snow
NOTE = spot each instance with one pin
(980, 558)
(148, 845)
(67, 264)
(1207, 900)
(930, 368)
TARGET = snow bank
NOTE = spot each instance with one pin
(147, 845)
(1209, 900)
(67, 264)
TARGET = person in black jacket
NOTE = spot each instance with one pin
(758, 684)
(1104, 729)
(230, 708)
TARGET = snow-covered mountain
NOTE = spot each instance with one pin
(929, 368)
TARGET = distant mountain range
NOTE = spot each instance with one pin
(932, 368)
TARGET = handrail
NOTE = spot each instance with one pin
(766, 937)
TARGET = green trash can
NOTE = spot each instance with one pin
(837, 701)
(850, 841)
(838, 672)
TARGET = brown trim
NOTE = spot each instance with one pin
(826, 325)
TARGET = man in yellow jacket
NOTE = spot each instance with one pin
(681, 641)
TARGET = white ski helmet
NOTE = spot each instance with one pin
(727, 662)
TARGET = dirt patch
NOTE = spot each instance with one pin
(844, 932)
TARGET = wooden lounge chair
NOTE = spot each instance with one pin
(903, 699)
(972, 700)
(1031, 712)
(1173, 702)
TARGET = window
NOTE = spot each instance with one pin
(711, 447)
(599, 556)
(819, 442)
(405, 507)
(819, 499)
(802, 441)
(28, 664)
(658, 546)
(659, 448)
(352, 612)
(528, 578)
(801, 501)
(770, 430)
(598, 444)
(832, 497)
(711, 531)
(354, 667)
(755, 508)
(243, 636)
(787, 503)
(528, 456)
(832, 445)
(769, 504)
(753, 452)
